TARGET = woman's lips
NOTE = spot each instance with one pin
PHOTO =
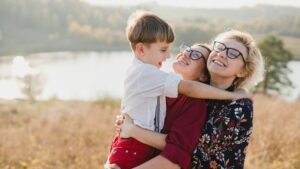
(217, 62)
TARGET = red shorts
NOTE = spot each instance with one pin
(129, 153)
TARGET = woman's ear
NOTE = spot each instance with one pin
(203, 77)
(242, 73)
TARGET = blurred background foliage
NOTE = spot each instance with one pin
(31, 26)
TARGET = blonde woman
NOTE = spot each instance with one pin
(235, 62)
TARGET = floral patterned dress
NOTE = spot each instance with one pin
(225, 136)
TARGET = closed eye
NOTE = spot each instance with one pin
(163, 50)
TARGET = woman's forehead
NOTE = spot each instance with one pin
(199, 48)
(231, 43)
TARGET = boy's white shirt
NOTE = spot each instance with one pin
(143, 83)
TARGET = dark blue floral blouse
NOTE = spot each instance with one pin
(225, 136)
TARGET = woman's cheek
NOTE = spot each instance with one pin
(176, 67)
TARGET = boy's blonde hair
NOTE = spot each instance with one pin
(146, 27)
(254, 63)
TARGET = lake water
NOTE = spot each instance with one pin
(84, 75)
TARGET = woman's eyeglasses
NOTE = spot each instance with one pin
(230, 52)
(193, 54)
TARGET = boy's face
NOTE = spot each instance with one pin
(191, 69)
(156, 53)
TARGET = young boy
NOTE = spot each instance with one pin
(146, 86)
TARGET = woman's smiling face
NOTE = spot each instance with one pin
(220, 64)
(191, 69)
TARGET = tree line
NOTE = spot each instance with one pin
(30, 26)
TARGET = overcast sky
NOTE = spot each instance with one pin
(199, 3)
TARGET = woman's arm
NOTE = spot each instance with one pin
(154, 139)
(188, 117)
(202, 90)
(157, 163)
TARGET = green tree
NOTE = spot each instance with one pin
(276, 65)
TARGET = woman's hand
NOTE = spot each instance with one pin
(119, 121)
(124, 125)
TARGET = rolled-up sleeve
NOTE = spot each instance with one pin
(171, 85)
(153, 82)
(185, 132)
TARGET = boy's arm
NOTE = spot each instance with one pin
(202, 90)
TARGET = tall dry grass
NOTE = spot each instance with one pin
(76, 135)
(275, 142)
(55, 135)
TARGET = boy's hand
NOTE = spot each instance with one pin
(242, 93)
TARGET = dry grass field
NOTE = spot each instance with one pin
(76, 135)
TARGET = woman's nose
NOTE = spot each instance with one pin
(222, 54)
(185, 54)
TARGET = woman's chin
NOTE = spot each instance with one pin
(177, 68)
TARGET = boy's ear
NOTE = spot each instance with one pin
(139, 48)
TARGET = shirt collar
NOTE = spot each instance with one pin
(136, 61)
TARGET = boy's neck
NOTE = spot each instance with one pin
(140, 58)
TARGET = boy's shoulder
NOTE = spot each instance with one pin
(141, 67)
